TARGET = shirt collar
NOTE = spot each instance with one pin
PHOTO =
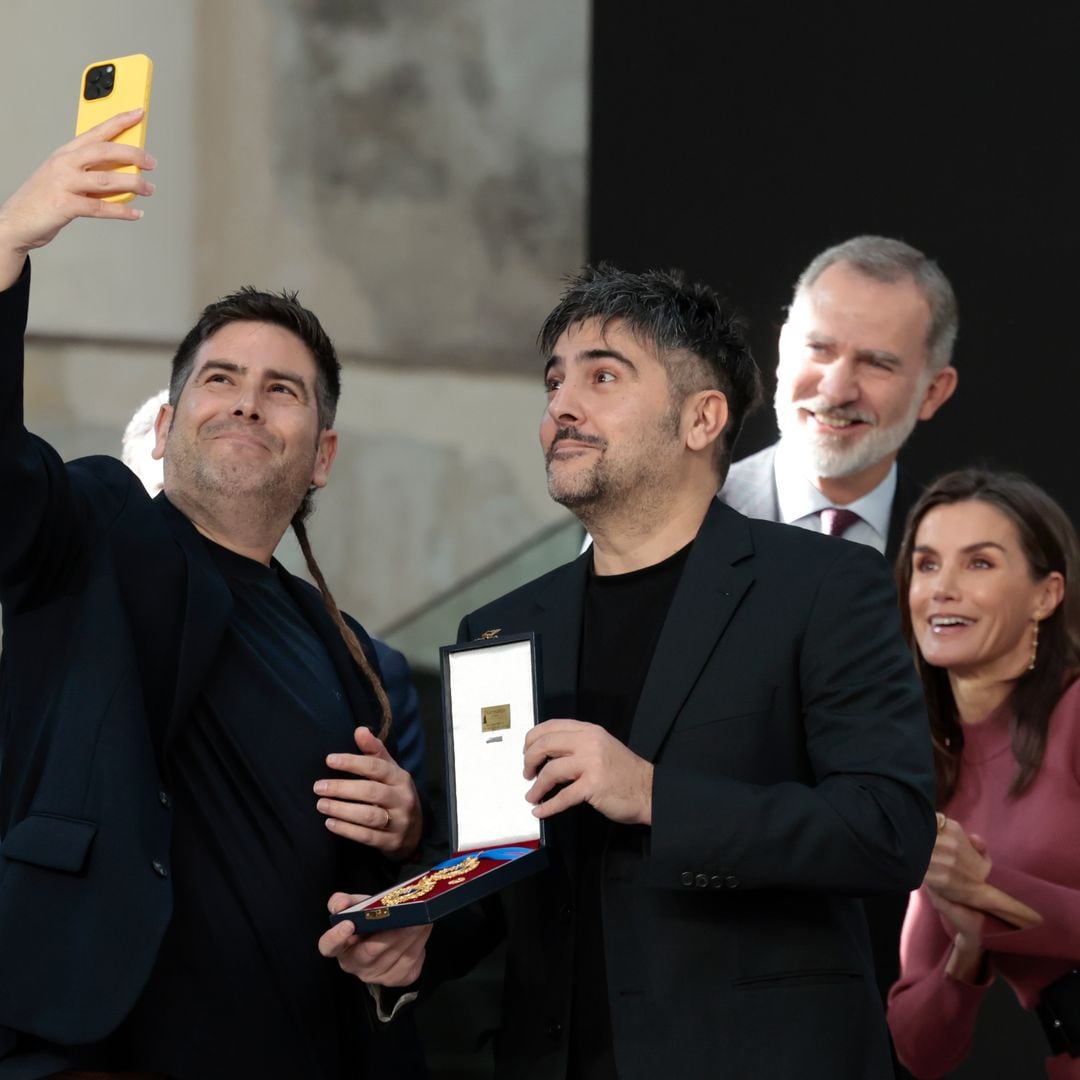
(797, 497)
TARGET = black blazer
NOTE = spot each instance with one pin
(750, 488)
(113, 612)
(793, 773)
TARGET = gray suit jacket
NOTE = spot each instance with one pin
(751, 489)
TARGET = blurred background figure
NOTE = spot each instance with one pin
(139, 441)
(990, 593)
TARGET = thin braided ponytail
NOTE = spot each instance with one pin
(350, 639)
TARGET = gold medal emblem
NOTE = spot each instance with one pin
(495, 718)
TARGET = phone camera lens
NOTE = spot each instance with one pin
(100, 81)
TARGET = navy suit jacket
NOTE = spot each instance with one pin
(792, 774)
(113, 612)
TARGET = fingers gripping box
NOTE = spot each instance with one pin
(490, 697)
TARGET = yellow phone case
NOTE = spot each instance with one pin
(114, 86)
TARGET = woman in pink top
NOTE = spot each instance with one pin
(989, 576)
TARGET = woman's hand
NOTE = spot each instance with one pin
(967, 961)
(959, 865)
(381, 808)
(954, 874)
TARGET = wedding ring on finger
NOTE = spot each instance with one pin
(386, 824)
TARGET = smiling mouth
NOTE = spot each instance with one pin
(941, 623)
(567, 449)
(243, 438)
(836, 423)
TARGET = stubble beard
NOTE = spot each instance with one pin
(226, 488)
(583, 488)
(639, 481)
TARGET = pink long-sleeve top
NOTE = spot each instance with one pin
(1034, 843)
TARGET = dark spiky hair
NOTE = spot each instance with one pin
(701, 343)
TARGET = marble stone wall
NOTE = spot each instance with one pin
(415, 168)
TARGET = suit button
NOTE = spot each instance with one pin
(701, 881)
(716, 882)
(687, 878)
(565, 914)
(554, 1030)
(163, 798)
(731, 882)
(160, 868)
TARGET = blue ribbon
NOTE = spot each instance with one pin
(501, 854)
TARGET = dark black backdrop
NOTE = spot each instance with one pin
(738, 139)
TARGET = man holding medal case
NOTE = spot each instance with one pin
(737, 747)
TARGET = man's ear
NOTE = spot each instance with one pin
(162, 424)
(705, 415)
(324, 457)
(938, 391)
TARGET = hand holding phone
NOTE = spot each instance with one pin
(70, 184)
(114, 86)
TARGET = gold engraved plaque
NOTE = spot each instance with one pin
(495, 717)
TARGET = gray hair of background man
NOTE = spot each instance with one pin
(139, 440)
(884, 259)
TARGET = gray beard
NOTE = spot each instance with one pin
(831, 461)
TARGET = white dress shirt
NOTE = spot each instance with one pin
(801, 503)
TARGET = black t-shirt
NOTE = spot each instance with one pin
(623, 616)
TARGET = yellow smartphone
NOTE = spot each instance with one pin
(114, 86)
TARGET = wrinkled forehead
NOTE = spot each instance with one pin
(597, 334)
(844, 303)
(257, 346)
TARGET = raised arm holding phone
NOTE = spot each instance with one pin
(197, 747)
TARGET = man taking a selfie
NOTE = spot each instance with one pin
(196, 746)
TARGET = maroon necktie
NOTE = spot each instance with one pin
(835, 520)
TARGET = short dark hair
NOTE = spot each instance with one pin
(279, 309)
(1050, 544)
(675, 317)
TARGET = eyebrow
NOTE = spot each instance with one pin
(271, 374)
(924, 549)
(594, 354)
(881, 354)
(828, 340)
